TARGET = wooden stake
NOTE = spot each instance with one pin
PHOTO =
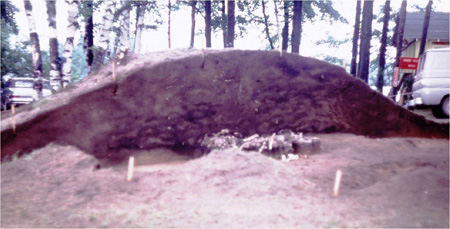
(130, 168)
(13, 120)
(337, 182)
(203, 53)
(203, 49)
(114, 70)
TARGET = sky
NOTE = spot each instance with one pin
(181, 26)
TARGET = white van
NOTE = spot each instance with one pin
(431, 82)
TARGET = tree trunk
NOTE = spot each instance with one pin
(140, 14)
(55, 60)
(426, 23)
(400, 30)
(208, 23)
(125, 29)
(88, 45)
(102, 49)
(278, 26)
(230, 25)
(356, 37)
(399, 42)
(297, 26)
(193, 3)
(168, 29)
(285, 33)
(366, 35)
(72, 12)
(35, 50)
(224, 25)
(382, 61)
(266, 25)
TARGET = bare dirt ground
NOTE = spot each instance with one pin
(428, 114)
(388, 182)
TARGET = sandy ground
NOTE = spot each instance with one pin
(389, 182)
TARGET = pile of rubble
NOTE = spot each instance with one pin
(285, 144)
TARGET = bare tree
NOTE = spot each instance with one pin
(266, 25)
(35, 49)
(55, 60)
(382, 61)
(366, 35)
(355, 37)
(297, 26)
(426, 23)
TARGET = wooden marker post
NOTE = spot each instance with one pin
(114, 70)
(337, 182)
(203, 53)
(13, 119)
(130, 168)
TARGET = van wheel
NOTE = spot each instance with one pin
(445, 107)
(441, 110)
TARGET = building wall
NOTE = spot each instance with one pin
(413, 49)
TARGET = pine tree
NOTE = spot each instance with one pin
(88, 45)
(193, 4)
(285, 33)
(426, 23)
(140, 14)
(169, 6)
(399, 40)
(355, 38)
(297, 27)
(382, 61)
(366, 35)
(208, 23)
(266, 24)
(230, 24)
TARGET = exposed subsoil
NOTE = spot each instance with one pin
(64, 166)
(173, 98)
(388, 182)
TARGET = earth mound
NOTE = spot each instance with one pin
(173, 98)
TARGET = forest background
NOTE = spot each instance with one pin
(326, 30)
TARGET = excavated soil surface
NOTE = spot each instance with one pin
(65, 165)
(388, 182)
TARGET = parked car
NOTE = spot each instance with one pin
(431, 82)
(20, 91)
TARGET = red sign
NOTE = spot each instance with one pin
(409, 63)
(395, 78)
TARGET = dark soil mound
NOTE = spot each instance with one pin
(172, 99)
